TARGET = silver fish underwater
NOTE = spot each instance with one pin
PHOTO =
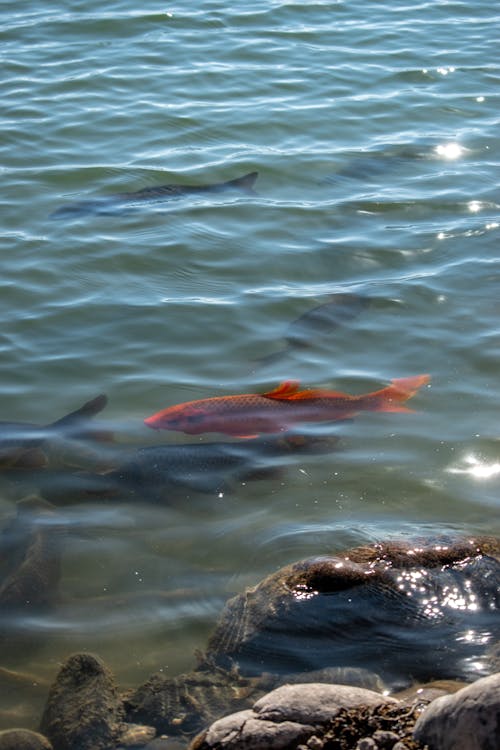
(118, 202)
(161, 473)
(319, 322)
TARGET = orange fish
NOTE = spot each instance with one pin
(251, 414)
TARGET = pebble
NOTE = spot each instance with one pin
(385, 739)
(367, 743)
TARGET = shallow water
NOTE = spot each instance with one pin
(373, 128)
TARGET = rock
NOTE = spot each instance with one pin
(244, 731)
(83, 708)
(429, 691)
(466, 720)
(313, 703)
(385, 738)
(23, 739)
(360, 607)
(367, 743)
(134, 735)
(285, 717)
(188, 702)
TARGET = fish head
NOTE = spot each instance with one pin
(190, 418)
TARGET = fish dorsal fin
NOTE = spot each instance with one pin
(285, 390)
(245, 183)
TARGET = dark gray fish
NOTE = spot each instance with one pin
(158, 472)
(369, 166)
(22, 443)
(116, 202)
(30, 554)
(319, 322)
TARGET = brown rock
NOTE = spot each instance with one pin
(83, 708)
(23, 739)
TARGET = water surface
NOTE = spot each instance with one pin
(373, 128)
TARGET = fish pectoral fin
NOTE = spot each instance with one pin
(284, 390)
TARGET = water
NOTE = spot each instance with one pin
(373, 127)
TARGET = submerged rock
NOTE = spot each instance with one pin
(402, 610)
(83, 708)
(23, 739)
(188, 702)
(408, 612)
(466, 720)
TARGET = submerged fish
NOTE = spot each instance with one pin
(22, 443)
(279, 410)
(112, 203)
(30, 552)
(156, 472)
(320, 321)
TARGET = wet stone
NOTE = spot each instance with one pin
(367, 743)
(83, 707)
(466, 720)
(384, 738)
(23, 739)
(287, 717)
(360, 607)
(133, 735)
(314, 703)
(188, 702)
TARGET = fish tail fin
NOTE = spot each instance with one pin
(244, 183)
(398, 392)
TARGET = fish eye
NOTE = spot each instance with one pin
(194, 418)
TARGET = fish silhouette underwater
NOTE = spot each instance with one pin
(117, 202)
(318, 323)
(163, 473)
(22, 444)
(30, 552)
(281, 409)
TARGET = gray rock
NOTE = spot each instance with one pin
(245, 731)
(23, 739)
(466, 720)
(285, 717)
(313, 703)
